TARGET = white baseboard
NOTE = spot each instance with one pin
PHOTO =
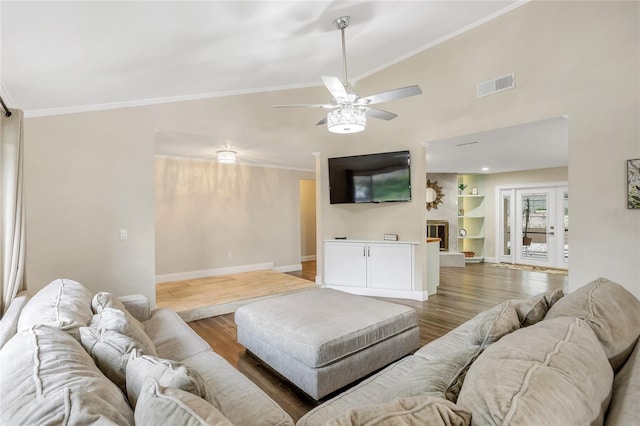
(179, 276)
(288, 268)
(490, 260)
(308, 258)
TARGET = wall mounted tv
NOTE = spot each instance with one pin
(371, 178)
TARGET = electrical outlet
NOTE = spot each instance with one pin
(229, 255)
(124, 234)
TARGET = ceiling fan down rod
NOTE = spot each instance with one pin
(342, 23)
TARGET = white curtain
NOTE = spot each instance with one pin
(12, 204)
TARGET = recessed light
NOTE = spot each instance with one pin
(484, 169)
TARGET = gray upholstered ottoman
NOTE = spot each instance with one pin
(323, 339)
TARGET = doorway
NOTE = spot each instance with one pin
(534, 226)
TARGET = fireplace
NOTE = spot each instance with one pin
(439, 229)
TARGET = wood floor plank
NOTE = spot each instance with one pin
(463, 293)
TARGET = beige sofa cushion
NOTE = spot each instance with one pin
(63, 304)
(110, 350)
(167, 373)
(441, 377)
(552, 373)
(612, 312)
(172, 337)
(123, 323)
(421, 410)
(498, 321)
(158, 405)
(47, 378)
(137, 305)
(625, 400)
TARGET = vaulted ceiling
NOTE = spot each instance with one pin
(63, 57)
(91, 54)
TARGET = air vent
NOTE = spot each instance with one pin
(496, 85)
(467, 143)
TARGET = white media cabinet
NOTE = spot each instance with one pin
(373, 268)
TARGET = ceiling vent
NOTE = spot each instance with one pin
(496, 85)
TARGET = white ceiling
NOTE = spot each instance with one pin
(61, 57)
(90, 53)
(537, 145)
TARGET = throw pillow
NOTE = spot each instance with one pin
(110, 350)
(168, 373)
(498, 321)
(534, 309)
(552, 373)
(441, 377)
(117, 320)
(105, 300)
(612, 312)
(63, 304)
(421, 410)
(158, 405)
(48, 378)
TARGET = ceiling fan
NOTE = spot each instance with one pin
(348, 111)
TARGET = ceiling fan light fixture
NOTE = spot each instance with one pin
(226, 156)
(347, 119)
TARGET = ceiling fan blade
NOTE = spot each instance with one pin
(378, 113)
(321, 122)
(390, 95)
(335, 87)
(326, 106)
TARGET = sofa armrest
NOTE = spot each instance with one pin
(9, 321)
(138, 305)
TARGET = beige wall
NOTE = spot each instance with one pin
(88, 175)
(541, 177)
(211, 215)
(307, 218)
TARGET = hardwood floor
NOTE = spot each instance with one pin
(463, 293)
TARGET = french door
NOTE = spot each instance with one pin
(534, 226)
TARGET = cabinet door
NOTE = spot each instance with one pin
(390, 266)
(345, 264)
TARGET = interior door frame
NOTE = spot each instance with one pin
(500, 191)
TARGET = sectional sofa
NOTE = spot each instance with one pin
(70, 357)
(547, 360)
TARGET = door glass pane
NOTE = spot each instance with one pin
(565, 256)
(534, 226)
(506, 225)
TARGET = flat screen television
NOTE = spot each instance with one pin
(370, 178)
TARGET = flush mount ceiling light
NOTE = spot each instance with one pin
(348, 111)
(226, 156)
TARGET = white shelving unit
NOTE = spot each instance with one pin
(471, 209)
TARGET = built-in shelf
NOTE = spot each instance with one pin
(471, 211)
